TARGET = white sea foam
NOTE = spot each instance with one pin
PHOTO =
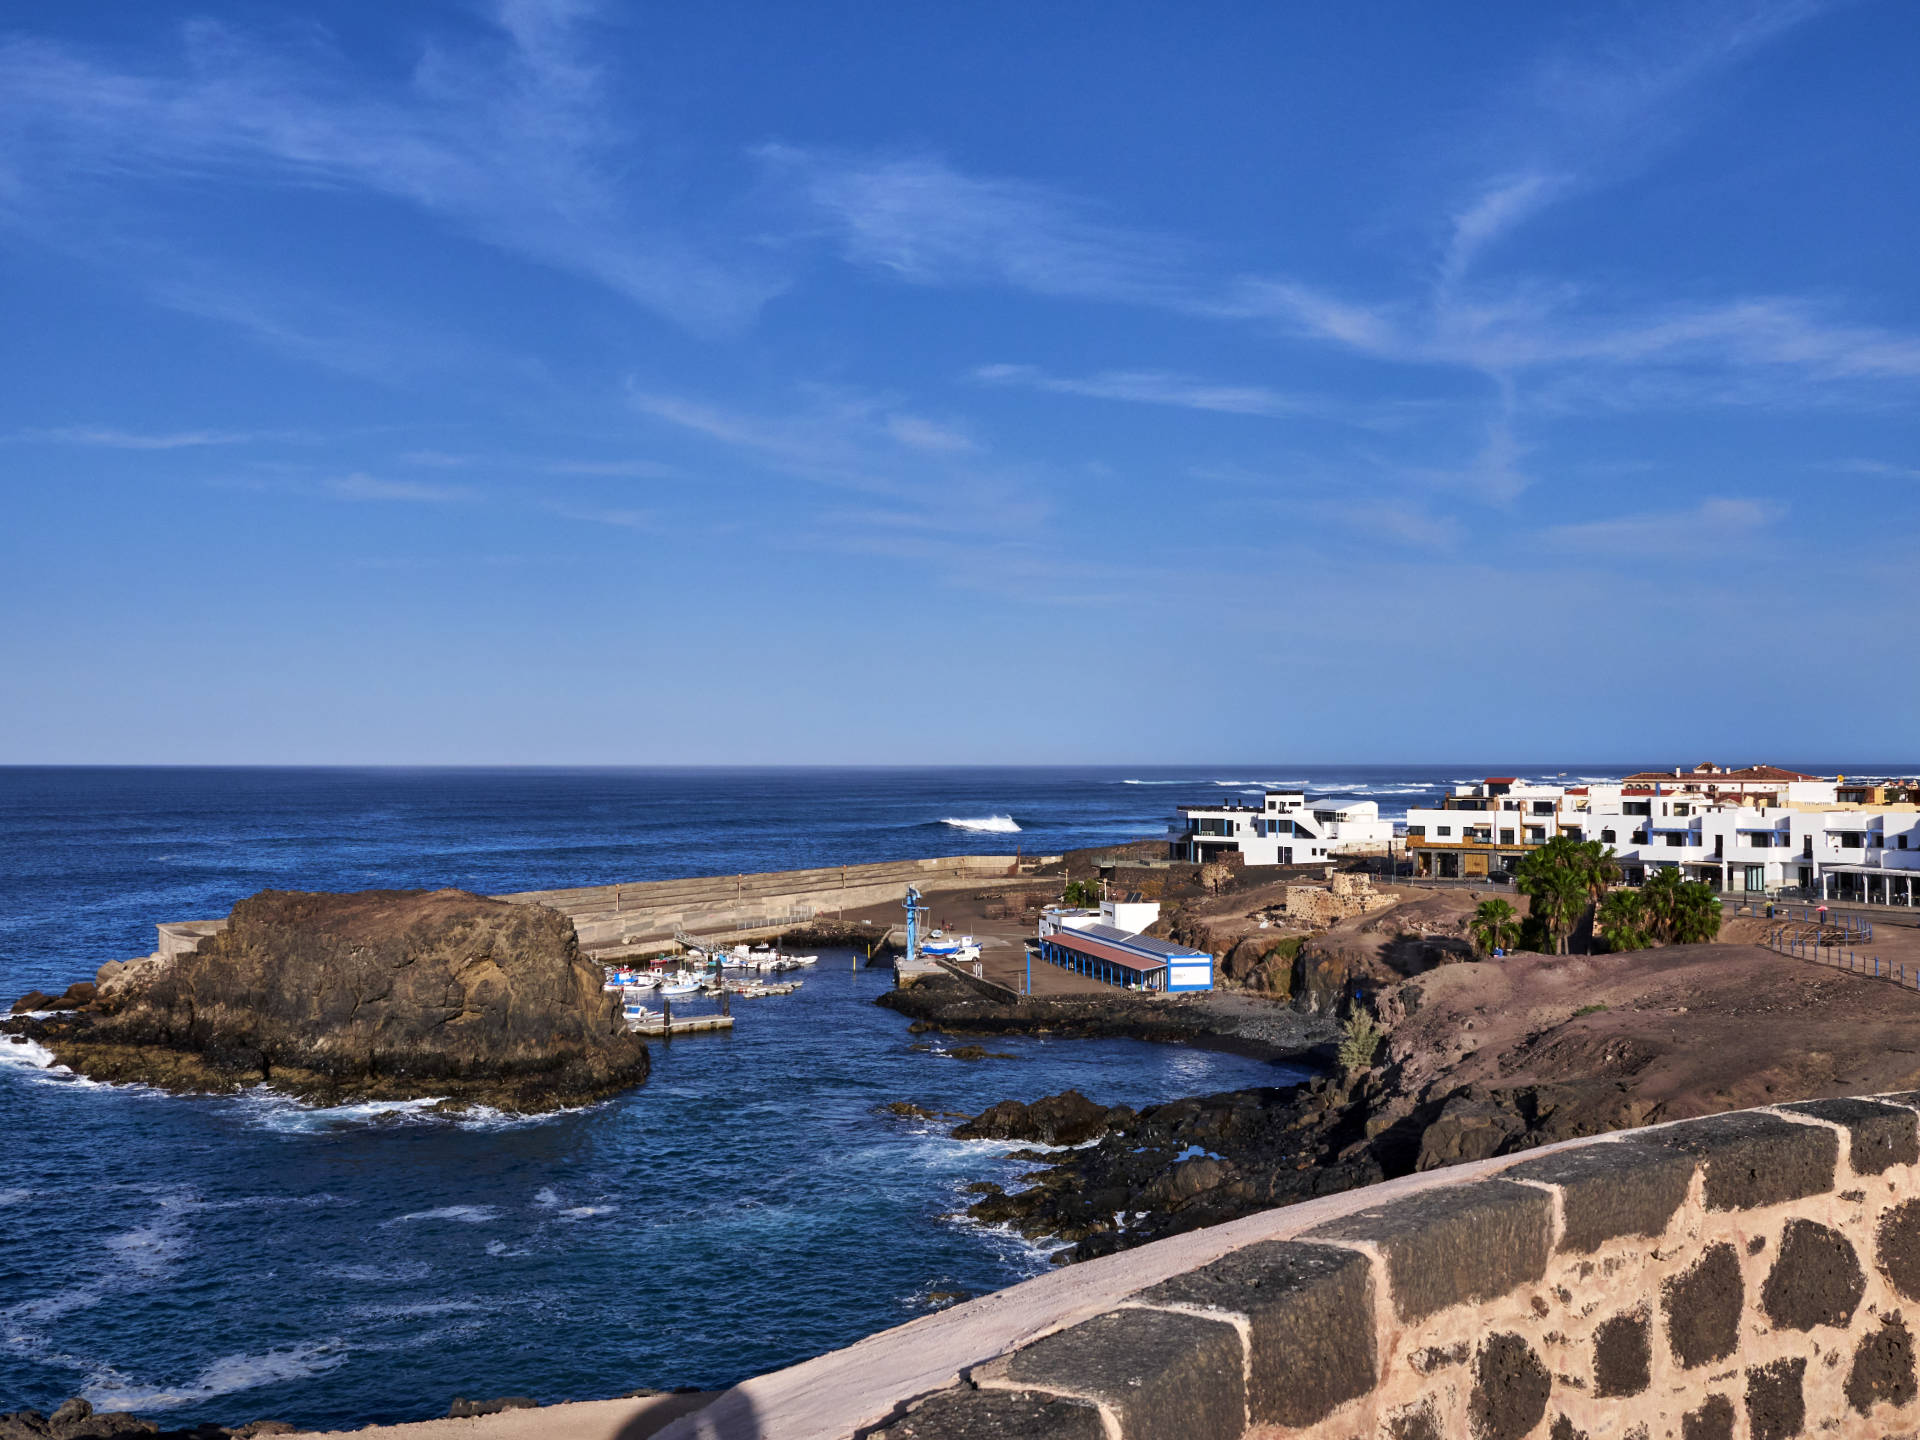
(587, 1212)
(15, 1197)
(499, 1249)
(149, 1250)
(228, 1374)
(464, 1214)
(30, 1054)
(545, 1197)
(986, 824)
(380, 1274)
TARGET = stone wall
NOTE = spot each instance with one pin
(607, 917)
(1345, 894)
(1752, 1275)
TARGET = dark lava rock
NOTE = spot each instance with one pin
(79, 995)
(948, 1003)
(465, 1409)
(1186, 1164)
(1068, 1118)
(385, 994)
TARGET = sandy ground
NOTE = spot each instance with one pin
(634, 1419)
(1694, 1028)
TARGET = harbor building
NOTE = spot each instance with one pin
(1283, 829)
(1106, 945)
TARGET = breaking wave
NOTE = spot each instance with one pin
(986, 825)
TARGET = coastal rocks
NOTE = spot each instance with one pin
(465, 1409)
(78, 1420)
(1068, 1118)
(1186, 1164)
(385, 994)
(948, 1003)
(78, 996)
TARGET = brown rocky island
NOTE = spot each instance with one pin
(380, 995)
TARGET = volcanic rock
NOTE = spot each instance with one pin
(384, 994)
(1068, 1118)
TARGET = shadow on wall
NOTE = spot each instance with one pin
(697, 1415)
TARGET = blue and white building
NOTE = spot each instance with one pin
(1106, 945)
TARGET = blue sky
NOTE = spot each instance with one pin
(548, 383)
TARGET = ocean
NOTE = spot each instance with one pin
(242, 1258)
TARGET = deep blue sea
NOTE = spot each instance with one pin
(241, 1258)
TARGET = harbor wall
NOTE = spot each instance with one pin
(610, 917)
(1745, 1275)
(644, 914)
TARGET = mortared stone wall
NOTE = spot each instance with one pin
(1752, 1275)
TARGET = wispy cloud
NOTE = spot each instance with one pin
(1877, 467)
(358, 486)
(512, 141)
(1159, 387)
(1703, 529)
(922, 221)
(109, 439)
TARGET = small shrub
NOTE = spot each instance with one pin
(1360, 1041)
(1588, 1010)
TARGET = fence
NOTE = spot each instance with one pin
(1810, 934)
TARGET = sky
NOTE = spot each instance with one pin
(544, 382)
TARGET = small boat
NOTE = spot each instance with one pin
(680, 983)
(634, 1012)
(951, 947)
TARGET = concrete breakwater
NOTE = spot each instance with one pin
(1741, 1275)
(631, 916)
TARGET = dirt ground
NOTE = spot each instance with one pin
(1695, 1029)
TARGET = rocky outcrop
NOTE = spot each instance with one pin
(78, 996)
(1182, 1165)
(1068, 1118)
(385, 994)
(77, 1420)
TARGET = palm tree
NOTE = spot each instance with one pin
(1495, 926)
(1660, 898)
(1622, 919)
(1602, 871)
(1696, 914)
(1556, 878)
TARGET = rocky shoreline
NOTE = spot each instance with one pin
(380, 995)
(952, 1005)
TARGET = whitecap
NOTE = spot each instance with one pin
(15, 1197)
(465, 1214)
(986, 824)
(31, 1054)
(224, 1376)
(587, 1212)
(150, 1250)
(499, 1249)
(545, 1197)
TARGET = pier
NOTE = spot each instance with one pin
(660, 1027)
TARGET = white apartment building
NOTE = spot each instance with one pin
(1284, 829)
(1760, 830)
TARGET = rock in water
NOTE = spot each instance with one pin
(385, 994)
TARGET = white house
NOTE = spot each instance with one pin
(1106, 945)
(1284, 829)
(1758, 830)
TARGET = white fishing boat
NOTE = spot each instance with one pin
(950, 947)
(679, 983)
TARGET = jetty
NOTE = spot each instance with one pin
(660, 1027)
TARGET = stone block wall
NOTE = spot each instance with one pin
(1751, 1276)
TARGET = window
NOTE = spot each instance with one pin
(1683, 809)
(1850, 840)
(1756, 877)
(1509, 804)
(1506, 837)
(1417, 832)
(1443, 830)
(1637, 807)
(1675, 837)
(1543, 807)
(1574, 832)
(1877, 840)
(1903, 842)
(1606, 837)
(1536, 832)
